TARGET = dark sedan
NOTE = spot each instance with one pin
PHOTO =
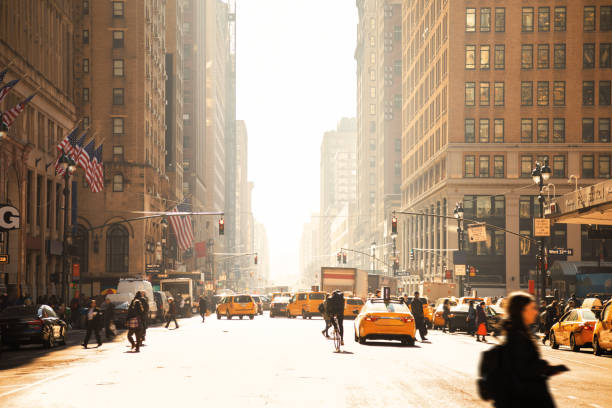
(459, 318)
(278, 307)
(32, 325)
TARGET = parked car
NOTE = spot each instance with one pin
(32, 325)
(163, 307)
(120, 311)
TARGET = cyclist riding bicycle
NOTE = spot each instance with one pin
(334, 307)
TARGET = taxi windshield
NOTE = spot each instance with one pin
(354, 302)
(388, 307)
(242, 299)
(588, 315)
(317, 296)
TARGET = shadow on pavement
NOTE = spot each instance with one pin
(389, 344)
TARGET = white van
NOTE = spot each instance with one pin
(129, 285)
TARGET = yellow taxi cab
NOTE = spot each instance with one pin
(237, 305)
(602, 334)
(465, 300)
(305, 304)
(352, 306)
(574, 329)
(385, 319)
(438, 320)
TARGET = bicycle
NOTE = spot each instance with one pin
(336, 334)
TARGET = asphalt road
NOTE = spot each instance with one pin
(273, 363)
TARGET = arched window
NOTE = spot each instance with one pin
(117, 249)
(81, 243)
(118, 182)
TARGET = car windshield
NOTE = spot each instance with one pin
(388, 307)
(354, 302)
(281, 299)
(255, 298)
(588, 315)
(242, 299)
(317, 296)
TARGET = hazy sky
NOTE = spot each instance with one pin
(295, 79)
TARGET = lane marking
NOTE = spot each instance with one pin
(596, 406)
(25, 387)
(572, 397)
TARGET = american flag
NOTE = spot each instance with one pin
(10, 115)
(84, 159)
(75, 152)
(7, 88)
(97, 171)
(181, 224)
(65, 147)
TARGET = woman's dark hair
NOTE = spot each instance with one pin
(514, 309)
(446, 301)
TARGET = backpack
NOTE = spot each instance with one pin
(491, 374)
(335, 303)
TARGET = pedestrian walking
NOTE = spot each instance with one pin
(446, 316)
(145, 318)
(134, 322)
(481, 322)
(326, 317)
(172, 313)
(471, 319)
(203, 307)
(517, 376)
(416, 307)
(109, 319)
(550, 318)
(93, 323)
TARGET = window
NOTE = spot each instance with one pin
(588, 93)
(117, 249)
(85, 94)
(498, 167)
(470, 130)
(483, 132)
(372, 162)
(542, 135)
(85, 36)
(118, 39)
(470, 170)
(118, 8)
(398, 145)
(118, 182)
(543, 92)
(588, 130)
(372, 144)
(470, 93)
(372, 75)
(470, 56)
(500, 19)
(372, 109)
(470, 20)
(526, 93)
(526, 131)
(118, 153)
(85, 7)
(589, 18)
(372, 126)
(604, 93)
(499, 93)
(559, 93)
(498, 131)
(604, 55)
(118, 96)
(485, 56)
(604, 166)
(485, 94)
(372, 197)
(526, 166)
(86, 122)
(483, 168)
(500, 56)
(85, 65)
(605, 18)
(118, 68)
(527, 19)
(559, 56)
(526, 56)
(558, 130)
(544, 19)
(588, 170)
(118, 126)
(560, 19)
(559, 166)
(604, 130)
(485, 20)
(543, 56)
(588, 56)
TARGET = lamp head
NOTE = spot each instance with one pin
(546, 171)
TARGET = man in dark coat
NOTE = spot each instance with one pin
(203, 306)
(145, 318)
(172, 313)
(93, 323)
(134, 321)
(109, 317)
(416, 306)
(550, 319)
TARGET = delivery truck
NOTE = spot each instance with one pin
(436, 290)
(351, 280)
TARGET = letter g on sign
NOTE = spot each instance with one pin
(9, 218)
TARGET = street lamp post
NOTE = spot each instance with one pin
(541, 174)
(373, 250)
(458, 214)
(68, 166)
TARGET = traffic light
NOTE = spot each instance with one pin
(473, 271)
(255, 259)
(412, 254)
(344, 258)
(396, 265)
(221, 226)
(339, 257)
(394, 225)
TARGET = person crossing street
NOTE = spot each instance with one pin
(93, 323)
(172, 313)
(203, 307)
(416, 307)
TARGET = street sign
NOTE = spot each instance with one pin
(153, 268)
(459, 270)
(541, 227)
(561, 251)
(402, 273)
(4, 259)
(477, 233)
(9, 218)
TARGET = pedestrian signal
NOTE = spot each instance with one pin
(339, 257)
(394, 225)
(472, 271)
(255, 259)
(412, 254)
(221, 226)
(344, 258)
